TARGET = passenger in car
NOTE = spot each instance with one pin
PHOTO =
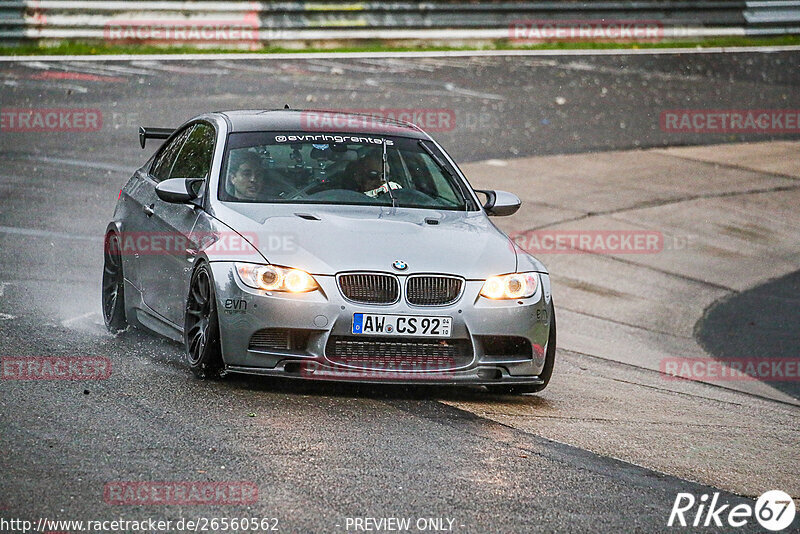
(367, 175)
(245, 175)
(249, 180)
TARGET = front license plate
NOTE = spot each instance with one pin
(401, 325)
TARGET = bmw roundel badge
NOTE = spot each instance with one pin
(400, 265)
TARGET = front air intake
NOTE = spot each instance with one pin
(279, 339)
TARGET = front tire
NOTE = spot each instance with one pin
(547, 370)
(113, 288)
(201, 328)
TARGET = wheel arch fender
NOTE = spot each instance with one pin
(114, 226)
(201, 261)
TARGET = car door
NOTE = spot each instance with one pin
(147, 231)
(168, 277)
(139, 227)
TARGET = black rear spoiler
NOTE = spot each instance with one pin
(153, 133)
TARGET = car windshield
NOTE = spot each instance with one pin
(272, 167)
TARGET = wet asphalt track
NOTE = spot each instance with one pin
(318, 453)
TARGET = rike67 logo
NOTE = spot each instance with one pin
(774, 510)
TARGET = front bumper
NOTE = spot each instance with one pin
(321, 318)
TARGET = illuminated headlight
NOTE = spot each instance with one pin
(510, 286)
(274, 278)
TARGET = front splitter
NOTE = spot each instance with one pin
(477, 376)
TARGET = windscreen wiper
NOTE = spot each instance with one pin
(386, 178)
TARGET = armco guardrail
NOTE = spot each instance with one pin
(241, 23)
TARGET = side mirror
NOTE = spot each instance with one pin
(178, 190)
(500, 203)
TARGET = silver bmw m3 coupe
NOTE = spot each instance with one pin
(275, 243)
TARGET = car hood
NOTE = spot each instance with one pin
(331, 239)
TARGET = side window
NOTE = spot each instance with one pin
(166, 159)
(194, 159)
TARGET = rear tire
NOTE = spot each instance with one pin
(113, 288)
(201, 327)
(547, 371)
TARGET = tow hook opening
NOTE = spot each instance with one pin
(490, 374)
(292, 368)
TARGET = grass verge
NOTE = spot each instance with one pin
(78, 48)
